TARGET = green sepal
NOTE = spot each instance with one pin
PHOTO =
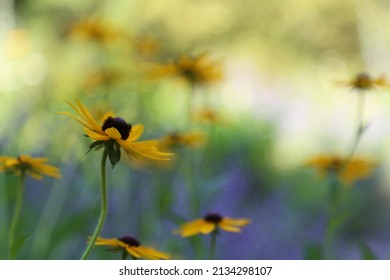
(95, 145)
(111, 151)
(117, 152)
(17, 245)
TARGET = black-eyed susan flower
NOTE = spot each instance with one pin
(197, 70)
(130, 245)
(114, 133)
(348, 171)
(364, 82)
(24, 164)
(210, 223)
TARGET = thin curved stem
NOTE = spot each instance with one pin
(213, 244)
(361, 127)
(103, 210)
(15, 217)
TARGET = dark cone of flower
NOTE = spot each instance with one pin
(120, 125)
(129, 240)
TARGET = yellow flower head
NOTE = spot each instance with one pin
(24, 164)
(189, 139)
(195, 70)
(114, 133)
(348, 171)
(133, 247)
(211, 222)
(94, 29)
(363, 82)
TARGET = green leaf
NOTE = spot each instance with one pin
(313, 252)
(366, 252)
(17, 245)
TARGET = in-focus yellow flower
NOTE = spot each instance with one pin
(24, 164)
(94, 29)
(133, 247)
(348, 171)
(363, 82)
(193, 139)
(212, 222)
(114, 133)
(198, 70)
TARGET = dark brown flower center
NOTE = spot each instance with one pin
(213, 218)
(119, 124)
(129, 240)
(363, 81)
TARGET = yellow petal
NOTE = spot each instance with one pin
(96, 136)
(87, 116)
(136, 132)
(207, 228)
(113, 133)
(133, 251)
(229, 228)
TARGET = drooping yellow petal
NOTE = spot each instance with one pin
(113, 133)
(151, 254)
(229, 228)
(133, 251)
(140, 149)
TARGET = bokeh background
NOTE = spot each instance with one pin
(278, 104)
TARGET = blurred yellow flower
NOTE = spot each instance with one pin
(115, 133)
(348, 171)
(211, 222)
(24, 164)
(95, 30)
(364, 81)
(208, 116)
(133, 247)
(197, 70)
(193, 139)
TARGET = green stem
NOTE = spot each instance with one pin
(360, 124)
(124, 254)
(15, 217)
(330, 230)
(213, 244)
(103, 212)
